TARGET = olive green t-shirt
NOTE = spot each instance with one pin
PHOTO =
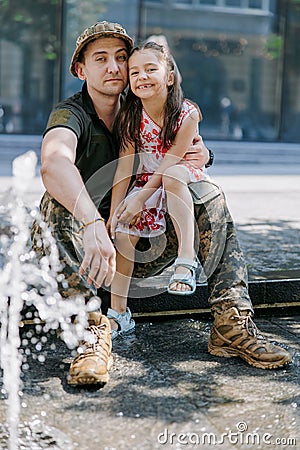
(96, 154)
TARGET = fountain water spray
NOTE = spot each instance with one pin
(26, 281)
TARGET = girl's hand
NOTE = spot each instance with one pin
(130, 210)
(136, 219)
(108, 225)
(114, 222)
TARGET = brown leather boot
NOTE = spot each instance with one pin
(235, 334)
(92, 365)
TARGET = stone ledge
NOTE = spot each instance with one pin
(265, 295)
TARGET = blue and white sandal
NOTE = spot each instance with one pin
(126, 324)
(189, 279)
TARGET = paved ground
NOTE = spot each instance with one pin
(163, 380)
(268, 222)
(165, 391)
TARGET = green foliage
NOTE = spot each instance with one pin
(21, 20)
(273, 46)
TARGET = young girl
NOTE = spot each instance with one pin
(161, 125)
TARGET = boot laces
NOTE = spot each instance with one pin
(98, 332)
(247, 323)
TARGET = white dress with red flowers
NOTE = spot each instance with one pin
(151, 153)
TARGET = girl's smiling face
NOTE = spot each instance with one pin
(149, 75)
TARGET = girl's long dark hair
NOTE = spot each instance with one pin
(127, 123)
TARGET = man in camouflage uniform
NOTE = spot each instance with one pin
(78, 165)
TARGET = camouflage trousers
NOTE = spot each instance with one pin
(216, 245)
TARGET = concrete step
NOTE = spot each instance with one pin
(266, 295)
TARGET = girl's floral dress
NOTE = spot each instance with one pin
(151, 152)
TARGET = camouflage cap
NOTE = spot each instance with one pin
(100, 29)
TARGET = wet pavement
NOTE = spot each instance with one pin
(165, 391)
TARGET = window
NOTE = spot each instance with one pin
(230, 62)
(291, 75)
(239, 59)
(29, 64)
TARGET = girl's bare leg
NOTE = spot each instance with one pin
(181, 209)
(125, 246)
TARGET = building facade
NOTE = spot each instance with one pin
(239, 59)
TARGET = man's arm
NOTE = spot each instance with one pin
(63, 181)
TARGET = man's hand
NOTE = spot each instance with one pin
(198, 154)
(99, 255)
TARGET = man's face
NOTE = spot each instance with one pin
(105, 66)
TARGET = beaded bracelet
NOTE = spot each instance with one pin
(86, 224)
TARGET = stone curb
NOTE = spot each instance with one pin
(265, 295)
